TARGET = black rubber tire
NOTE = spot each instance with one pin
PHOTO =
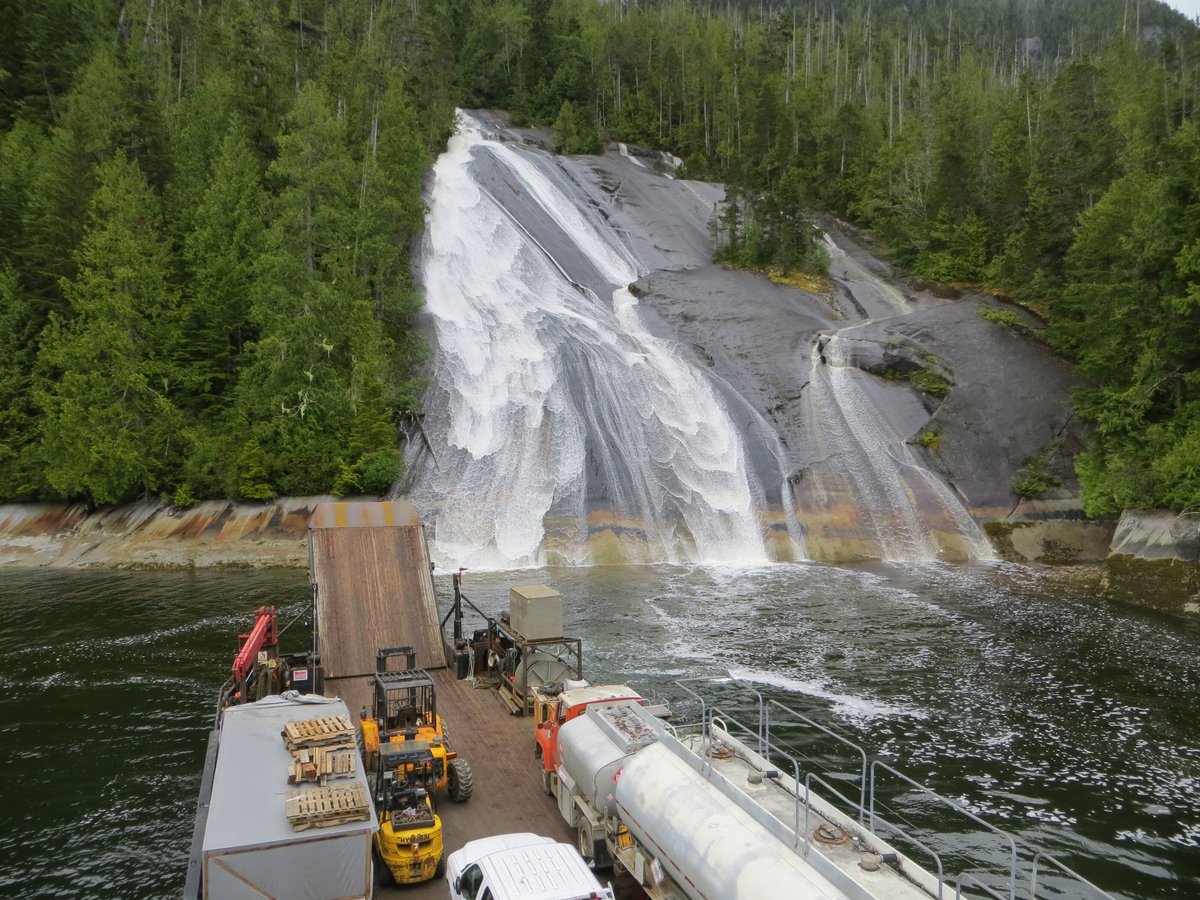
(460, 781)
(383, 875)
(440, 871)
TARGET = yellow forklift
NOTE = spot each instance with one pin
(405, 709)
(408, 843)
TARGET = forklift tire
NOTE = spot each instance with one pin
(440, 871)
(383, 875)
(460, 782)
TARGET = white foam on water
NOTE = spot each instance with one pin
(850, 706)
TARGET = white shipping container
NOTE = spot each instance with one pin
(249, 848)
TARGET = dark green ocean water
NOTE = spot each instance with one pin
(1064, 720)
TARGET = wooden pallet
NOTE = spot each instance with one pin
(318, 732)
(326, 806)
(513, 700)
(323, 762)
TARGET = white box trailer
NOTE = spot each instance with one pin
(250, 849)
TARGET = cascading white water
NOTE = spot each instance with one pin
(903, 502)
(549, 402)
(877, 296)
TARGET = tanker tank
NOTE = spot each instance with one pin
(709, 846)
(593, 747)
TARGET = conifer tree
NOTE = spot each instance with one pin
(295, 389)
(97, 120)
(20, 472)
(222, 252)
(109, 423)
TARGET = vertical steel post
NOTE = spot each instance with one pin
(458, 616)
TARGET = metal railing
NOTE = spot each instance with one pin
(966, 879)
(862, 754)
(920, 788)
(764, 738)
(1040, 856)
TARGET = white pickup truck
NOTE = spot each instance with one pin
(521, 867)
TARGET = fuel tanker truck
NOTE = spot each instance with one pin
(703, 812)
(703, 816)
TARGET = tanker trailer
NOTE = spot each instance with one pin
(684, 829)
(704, 842)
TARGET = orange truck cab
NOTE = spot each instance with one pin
(552, 708)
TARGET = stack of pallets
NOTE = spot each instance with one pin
(317, 732)
(327, 806)
(323, 748)
(319, 764)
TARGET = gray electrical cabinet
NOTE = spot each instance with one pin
(535, 612)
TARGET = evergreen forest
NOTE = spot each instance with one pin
(208, 209)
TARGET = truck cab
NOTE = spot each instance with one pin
(521, 866)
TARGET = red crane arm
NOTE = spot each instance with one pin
(262, 635)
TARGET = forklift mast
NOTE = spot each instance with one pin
(405, 695)
(386, 653)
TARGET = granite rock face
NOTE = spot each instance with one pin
(952, 393)
(1157, 534)
(154, 535)
(883, 417)
(1155, 561)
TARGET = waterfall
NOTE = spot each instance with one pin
(554, 413)
(872, 294)
(908, 511)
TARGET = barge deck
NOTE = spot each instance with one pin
(508, 783)
(373, 587)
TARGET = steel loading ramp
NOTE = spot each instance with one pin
(373, 587)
